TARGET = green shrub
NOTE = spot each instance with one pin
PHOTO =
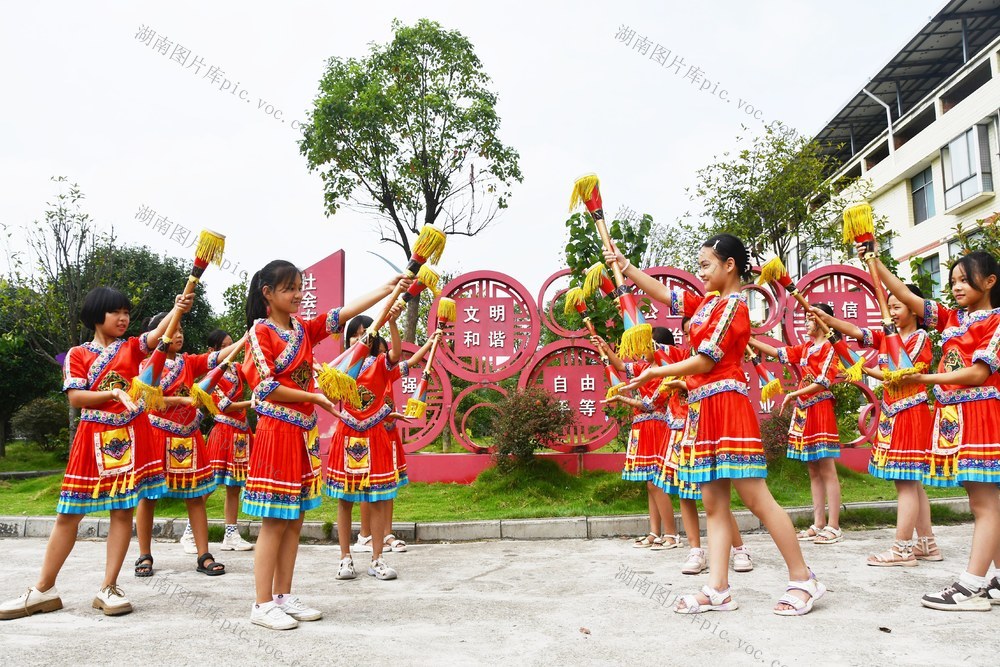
(526, 420)
(774, 434)
(41, 422)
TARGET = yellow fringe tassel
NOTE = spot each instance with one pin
(772, 270)
(415, 408)
(854, 372)
(858, 221)
(664, 388)
(771, 389)
(97, 490)
(203, 400)
(114, 487)
(574, 297)
(131, 481)
(637, 341)
(430, 244)
(338, 386)
(210, 247)
(592, 279)
(447, 310)
(582, 189)
(152, 397)
(891, 379)
(613, 391)
(429, 277)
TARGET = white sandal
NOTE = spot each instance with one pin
(661, 544)
(804, 535)
(695, 564)
(645, 542)
(829, 535)
(741, 559)
(900, 554)
(800, 607)
(392, 543)
(716, 602)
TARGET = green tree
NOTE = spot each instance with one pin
(22, 379)
(775, 193)
(409, 133)
(234, 317)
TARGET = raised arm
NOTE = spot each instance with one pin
(843, 327)
(419, 355)
(895, 286)
(602, 346)
(395, 343)
(651, 286)
(182, 304)
(763, 348)
(363, 303)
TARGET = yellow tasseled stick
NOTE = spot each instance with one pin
(592, 279)
(447, 310)
(772, 270)
(202, 399)
(858, 221)
(429, 277)
(430, 244)
(582, 189)
(337, 385)
(210, 247)
(574, 297)
(771, 389)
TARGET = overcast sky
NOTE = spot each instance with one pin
(82, 97)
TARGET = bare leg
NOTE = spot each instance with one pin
(119, 536)
(654, 514)
(366, 520)
(265, 557)
(344, 509)
(818, 493)
(758, 499)
(379, 519)
(288, 551)
(735, 529)
(664, 508)
(198, 517)
(689, 517)
(924, 527)
(831, 487)
(984, 501)
(144, 525)
(908, 509)
(232, 506)
(61, 541)
(715, 496)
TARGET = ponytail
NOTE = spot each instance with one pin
(275, 274)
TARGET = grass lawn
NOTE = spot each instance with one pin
(541, 490)
(23, 456)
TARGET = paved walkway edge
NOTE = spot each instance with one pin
(579, 527)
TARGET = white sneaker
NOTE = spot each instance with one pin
(292, 605)
(363, 544)
(187, 543)
(695, 563)
(380, 570)
(346, 569)
(33, 601)
(271, 616)
(234, 542)
(112, 601)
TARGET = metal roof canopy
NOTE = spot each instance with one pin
(951, 38)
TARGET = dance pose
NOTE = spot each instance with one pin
(812, 434)
(284, 471)
(899, 452)
(722, 447)
(964, 449)
(187, 464)
(112, 461)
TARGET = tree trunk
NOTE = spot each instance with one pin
(73, 414)
(446, 440)
(412, 315)
(3, 437)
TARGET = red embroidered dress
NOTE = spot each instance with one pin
(965, 439)
(112, 459)
(900, 447)
(399, 453)
(722, 436)
(361, 466)
(813, 434)
(284, 475)
(677, 413)
(175, 431)
(230, 439)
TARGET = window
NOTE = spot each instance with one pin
(966, 161)
(802, 254)
(922, 190)
(931, 266)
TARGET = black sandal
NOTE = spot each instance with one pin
(212, 570)
(142, 569)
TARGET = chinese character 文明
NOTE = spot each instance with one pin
(162, 225)
(587, 407)
(850, 310)
(470, 315)
(471, 339)
(145, 214)
(162, 45)
(180, 54)
(498, 313)
(625, 34)
(497, 338)
(660, 54)
(559, 384)
(642, 45)
(145, 34)
(677, 63)
(180, 234)
(409, 385)
(308, 282)
(587, 383)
